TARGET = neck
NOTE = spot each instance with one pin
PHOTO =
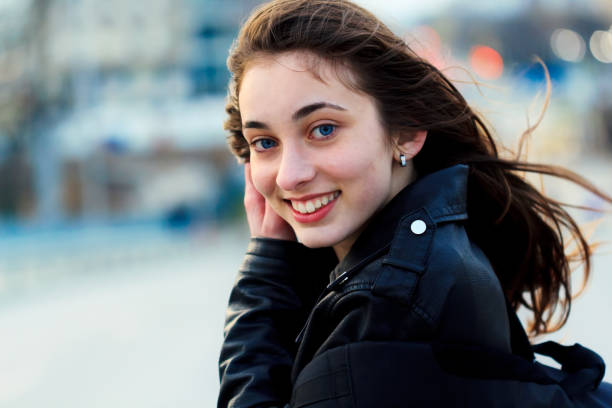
(401, 177)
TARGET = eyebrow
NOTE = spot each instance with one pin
(308, 109)
(253, 124)
(299, 114)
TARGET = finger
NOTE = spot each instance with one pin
(252, 198)
(248, 182)
(254, 203)
(261, 217)
(275, 226)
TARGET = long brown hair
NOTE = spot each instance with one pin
(520, 230)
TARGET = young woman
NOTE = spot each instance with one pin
(391, 244)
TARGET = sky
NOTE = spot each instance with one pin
(404, 11)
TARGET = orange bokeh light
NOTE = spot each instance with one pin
(425, 41)
(486, 62)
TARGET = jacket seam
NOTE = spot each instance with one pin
(361, 285)
(422, 313)
(326, 374)
(269, 256)
(350, 374)
(339, 296)
(448, 213)
(328, 308)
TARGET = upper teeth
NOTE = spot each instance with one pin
(310, 206)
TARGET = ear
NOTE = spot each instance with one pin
(408, 144)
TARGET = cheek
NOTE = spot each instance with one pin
(366, 161)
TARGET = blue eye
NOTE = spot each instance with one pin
(264, 144)
(323, 131)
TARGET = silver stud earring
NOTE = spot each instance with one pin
(402, 160)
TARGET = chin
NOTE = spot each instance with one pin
(317, 239)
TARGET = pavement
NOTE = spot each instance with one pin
(134, 318)
(142, 332)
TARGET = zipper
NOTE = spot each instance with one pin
(340, 280)
(300, 335)
(343, 277)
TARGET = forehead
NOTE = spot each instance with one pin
(274, 82)
(321, 69)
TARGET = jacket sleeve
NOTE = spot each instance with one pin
(273, 293)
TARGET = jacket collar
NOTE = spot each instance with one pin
(443, 194)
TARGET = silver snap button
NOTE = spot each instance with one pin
(418, 227)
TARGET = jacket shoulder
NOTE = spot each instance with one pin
(474, 308)
(445, 279)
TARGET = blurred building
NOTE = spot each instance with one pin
(114, 109)
(572, 38)
(101, 99)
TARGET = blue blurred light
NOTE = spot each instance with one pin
(535, 73)
(115, 145)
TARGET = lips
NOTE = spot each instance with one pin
(314, 204)
(314, 208)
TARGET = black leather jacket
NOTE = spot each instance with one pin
(393, 324)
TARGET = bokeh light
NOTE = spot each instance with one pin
(486, 62)
(601, 46)
(425, 41)
(568, 45)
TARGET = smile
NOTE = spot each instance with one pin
(313, 209)
(312, 205)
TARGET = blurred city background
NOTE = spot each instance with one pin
(121, 226)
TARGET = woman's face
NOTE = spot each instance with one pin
(318, 152)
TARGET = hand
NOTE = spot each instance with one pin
(263, 220)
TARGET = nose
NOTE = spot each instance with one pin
(295, 169)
